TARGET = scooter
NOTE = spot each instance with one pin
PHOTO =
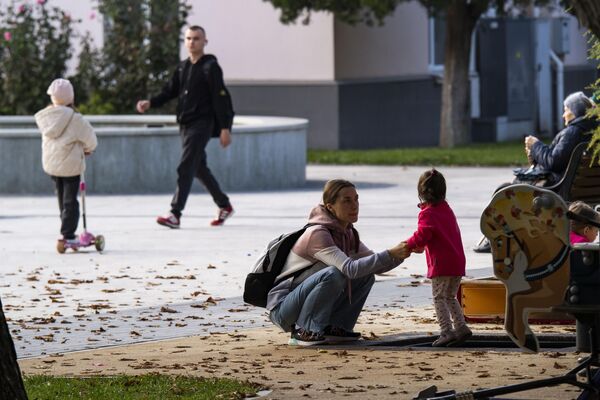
(86, 238)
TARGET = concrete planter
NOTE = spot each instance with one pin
(140, 154)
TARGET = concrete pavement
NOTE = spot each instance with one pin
(154, 283)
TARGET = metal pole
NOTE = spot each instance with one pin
(560, 89)
(82, 189)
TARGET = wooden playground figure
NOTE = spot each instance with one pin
(529, 234)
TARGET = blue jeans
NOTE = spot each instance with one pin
(322, 300)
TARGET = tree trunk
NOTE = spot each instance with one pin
(587, 13)
(455, 124)
(11, 384)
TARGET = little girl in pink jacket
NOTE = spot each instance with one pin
(438, 234)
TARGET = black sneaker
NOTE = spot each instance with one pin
(302, 337)
(333, 334)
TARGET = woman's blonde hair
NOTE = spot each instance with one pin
(332, 189)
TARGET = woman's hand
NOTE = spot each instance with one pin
(400, 251)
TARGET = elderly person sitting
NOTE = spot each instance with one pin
(554, 158)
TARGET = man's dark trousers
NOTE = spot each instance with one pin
(66, 191)
(195, 137)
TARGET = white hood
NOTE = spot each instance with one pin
(66, 137)
(53, 120)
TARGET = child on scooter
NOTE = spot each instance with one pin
(66, 139)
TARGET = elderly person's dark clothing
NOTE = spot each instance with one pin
(554, 158)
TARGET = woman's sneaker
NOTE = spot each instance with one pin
(302, 337)
(333, 334)
(169, 220)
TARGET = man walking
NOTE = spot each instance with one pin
(203, 110)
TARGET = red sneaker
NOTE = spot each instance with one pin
(169, 220)
(222, 215)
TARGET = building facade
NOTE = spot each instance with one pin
(380, 87)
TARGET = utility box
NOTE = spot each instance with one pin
(506, 68)
(560, 36)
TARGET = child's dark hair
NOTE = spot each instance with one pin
(584, 210)
(432, 187)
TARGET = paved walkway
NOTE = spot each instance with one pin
(153, 283)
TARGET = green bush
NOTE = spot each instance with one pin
(595, 142)
(140, 53)
(34, 48)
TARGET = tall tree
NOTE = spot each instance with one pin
(461, 18)
(11, 384)
(587, 12)
(141, 49)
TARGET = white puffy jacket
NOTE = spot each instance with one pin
(66, 136)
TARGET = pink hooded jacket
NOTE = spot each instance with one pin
(439, 234)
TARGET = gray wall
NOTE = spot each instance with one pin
(316, 102)
(389, 113)
(269, 155)
(578, 78)
(359, 114)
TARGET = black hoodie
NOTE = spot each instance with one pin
(201, 93)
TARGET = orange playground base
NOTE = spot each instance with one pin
(483, 300)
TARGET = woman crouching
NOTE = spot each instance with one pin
(329, 273)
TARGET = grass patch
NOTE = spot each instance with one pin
(147, 387)
(480, 154)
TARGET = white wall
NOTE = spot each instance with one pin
(253, 45)
(246, 36)
(398, 48)
(578, 43)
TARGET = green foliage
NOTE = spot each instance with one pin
(87, 80)
(146, 387)
(34, 48)
(350, 11)
(371, 11)
(124, 52)
(166, 20)
(141, 48)
(595, 112)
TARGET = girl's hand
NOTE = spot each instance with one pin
(400, 251)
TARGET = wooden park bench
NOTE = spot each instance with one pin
(581, 180)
